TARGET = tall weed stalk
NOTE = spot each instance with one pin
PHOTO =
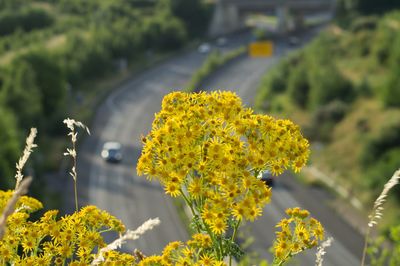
(71, 124)
(376, 213)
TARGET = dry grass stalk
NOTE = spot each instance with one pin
(71, 124)
(25, 156)
(321, 251)
(376, 212)
(10, 207)
(129, 235)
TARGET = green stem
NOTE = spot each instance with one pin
(189, 203)
(218, 252)
(75, 177)
(235, 230)
(285, 259)
(365, 246)
(233, 238)
(105, 230)
(76, 196)
(219, 244)
(37, 246)
(221, 249)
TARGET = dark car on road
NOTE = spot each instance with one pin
(112, 152)
(268, 178)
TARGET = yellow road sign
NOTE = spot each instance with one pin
(261, 49)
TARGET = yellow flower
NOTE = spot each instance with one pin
(253, 213)
(28, 245)
(196, 188)
(299, 232)
(188, 252)
(151, 261)
(172, 189)
(318, 231)
(6, 253)
(206, 259)
(172, 246)
(218, 226)
(65, 250)
(17, 220)
(238, 212)
(207, 215)
(282, 248)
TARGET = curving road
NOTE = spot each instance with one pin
(128, 112)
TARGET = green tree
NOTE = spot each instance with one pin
(50, 81)
(298, 85)
(163, 32)
(78, 6)
(193, 13)
(26, 18)
(328, 84)
(391, 90)
(346, 7)
(21, 94)
(173, 33)
(373, 6)
(123, 38)
(9, 148)
(325, 80)
(84, 58)
(12, 4)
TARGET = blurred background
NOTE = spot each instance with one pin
(331, 66)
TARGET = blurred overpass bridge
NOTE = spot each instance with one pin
(229, 15)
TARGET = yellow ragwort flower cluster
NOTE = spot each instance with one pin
(196, 252)
(74, 239)
(297, 233)
(210, 149)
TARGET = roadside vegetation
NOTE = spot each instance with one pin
(344, 90)
(214, 61)
(54, 53)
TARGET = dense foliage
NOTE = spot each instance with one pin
(10, 147)
(366, 6)
(26, 19)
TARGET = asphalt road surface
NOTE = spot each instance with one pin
(127, 114)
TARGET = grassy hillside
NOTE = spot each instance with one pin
(344, 90)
